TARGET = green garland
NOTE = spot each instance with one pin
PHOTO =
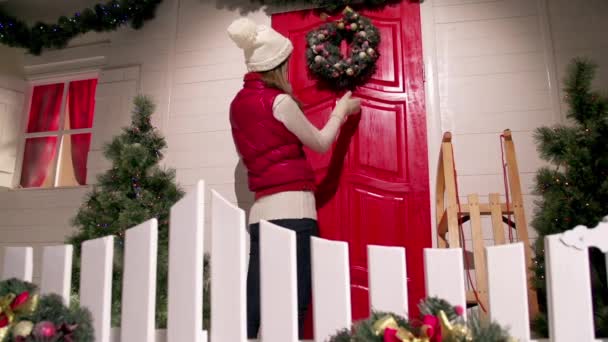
(40, 318)
(439, 322)
(101, 18)
(323, 55)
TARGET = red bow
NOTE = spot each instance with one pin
(390, 335)
(432, 328)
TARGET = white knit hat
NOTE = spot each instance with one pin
(264, 48)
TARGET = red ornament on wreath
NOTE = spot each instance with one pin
(326, 62)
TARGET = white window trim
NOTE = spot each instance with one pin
(64, 78)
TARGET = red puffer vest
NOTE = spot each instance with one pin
(274, 156)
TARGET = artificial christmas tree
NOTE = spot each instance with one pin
(134, 190)
(574, 189)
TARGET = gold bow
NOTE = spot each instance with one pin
(6, 309)
(453, 331)
(389, 322)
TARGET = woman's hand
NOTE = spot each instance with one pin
(347, 105)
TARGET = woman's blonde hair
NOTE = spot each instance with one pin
(277, 78)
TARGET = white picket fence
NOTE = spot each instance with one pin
(568, 278)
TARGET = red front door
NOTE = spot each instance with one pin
(374, 185)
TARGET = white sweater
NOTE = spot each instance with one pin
(296, 204)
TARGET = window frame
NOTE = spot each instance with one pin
(60, 133)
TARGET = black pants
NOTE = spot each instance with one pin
(304, 228)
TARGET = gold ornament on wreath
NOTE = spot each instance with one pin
(326, 62)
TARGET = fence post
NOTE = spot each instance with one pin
(96, 283)
(278, 283)
(569, 288)
(444, 275)
(139, 283)
(508, 289)
(331, 287)
(388, 279)
(57, 271)
(18, 263)
(228, 273)
(185, 309)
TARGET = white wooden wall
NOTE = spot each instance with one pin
(577, 28)
(493, 75)
(569, 297)
(495, 62)
(500, 64)
(11, 104)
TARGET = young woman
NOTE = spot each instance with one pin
(269, 131)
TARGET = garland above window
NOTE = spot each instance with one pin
(101, 18)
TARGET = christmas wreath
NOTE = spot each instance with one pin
(325, 60)
(25, 316)
(439, 322)
(100, 18)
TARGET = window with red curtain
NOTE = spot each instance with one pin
(58, 134)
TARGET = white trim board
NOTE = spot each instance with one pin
(431, 93)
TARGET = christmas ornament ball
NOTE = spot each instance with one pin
(23, 329)
(45, 329)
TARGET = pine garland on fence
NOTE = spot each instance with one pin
(439, 322)
(28, 317)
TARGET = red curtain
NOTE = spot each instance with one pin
(81, 98)
(44, 112)
(37, 157)
(40, 152)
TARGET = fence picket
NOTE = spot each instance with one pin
(566, 256)
(139, 283)
(331, 287)
(444, 275)
(228, 273)
(568, 292)
(388, 279)
(185, 316)
(507, 286)
(96, 283)
(18, 263)
(278, 283)
(56, 274)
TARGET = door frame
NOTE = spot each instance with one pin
(434, 130)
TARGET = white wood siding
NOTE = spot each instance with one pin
(495, 59)
(12, 90)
